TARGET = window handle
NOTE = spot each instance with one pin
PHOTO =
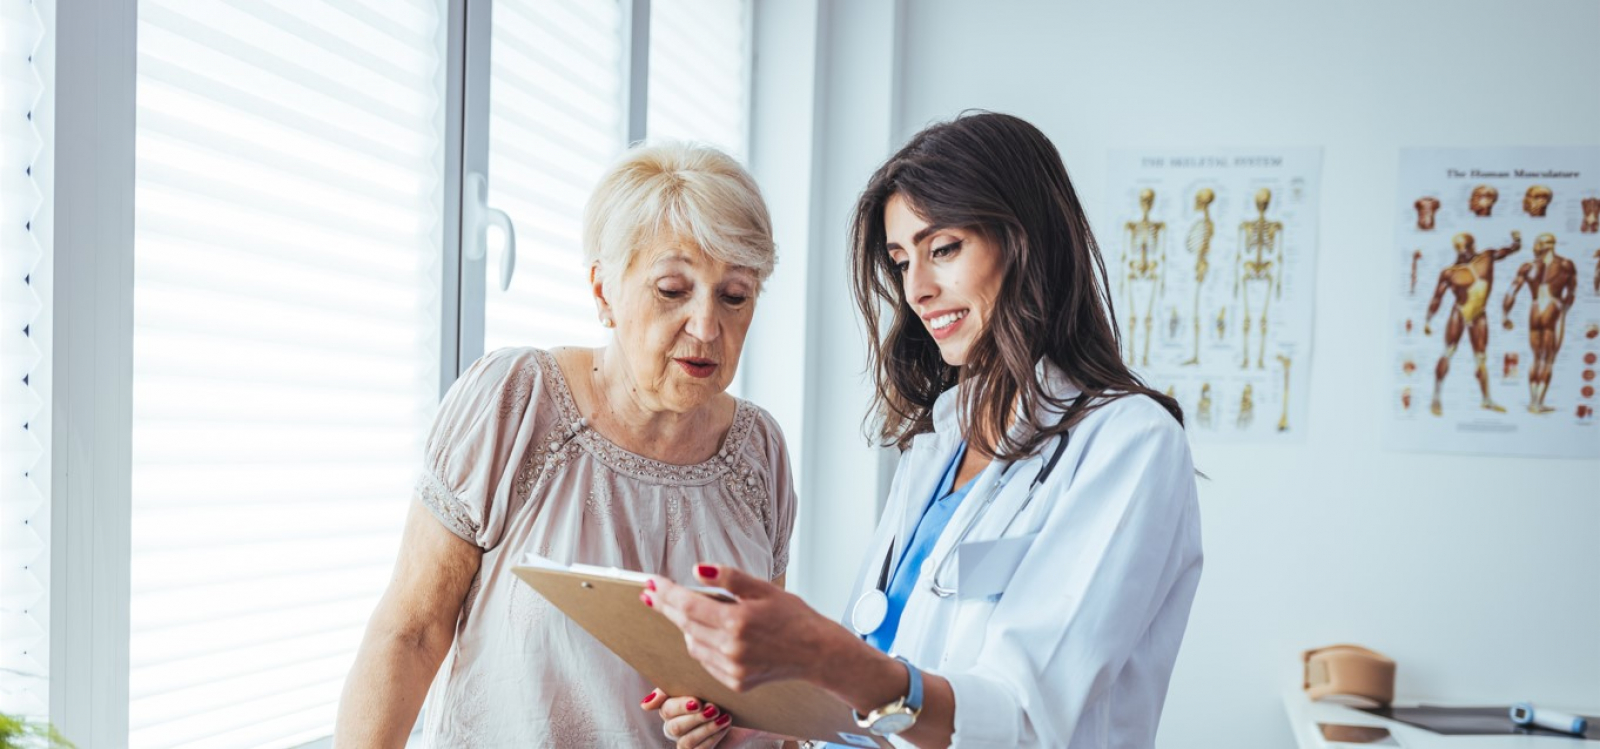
(476, 222)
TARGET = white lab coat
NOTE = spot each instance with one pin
(1078, 651)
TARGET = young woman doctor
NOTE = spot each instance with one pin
(1031, 577)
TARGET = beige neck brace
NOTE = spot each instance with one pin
(1349, 671)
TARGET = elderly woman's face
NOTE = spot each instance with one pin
(681, 319)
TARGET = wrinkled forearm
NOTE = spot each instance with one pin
(385, 690)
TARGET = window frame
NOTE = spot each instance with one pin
(91, 289)
(471, 291)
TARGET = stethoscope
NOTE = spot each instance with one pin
(873, 606)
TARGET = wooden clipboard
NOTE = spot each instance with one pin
(609, 609)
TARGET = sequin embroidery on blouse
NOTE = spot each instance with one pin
(598, 503)
(518, 388)
(438, 499)
(635, 465)
(676, 522)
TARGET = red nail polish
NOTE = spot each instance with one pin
(647, 698)
(706, 571)
(724, 720)
(692, 706)
(650, 585)
(709, 711)
(646, 598)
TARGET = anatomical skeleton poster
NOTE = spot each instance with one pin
(1211, 254)
(1495, 303)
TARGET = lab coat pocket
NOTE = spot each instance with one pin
(984, 568)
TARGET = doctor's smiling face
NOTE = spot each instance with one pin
(951, 276)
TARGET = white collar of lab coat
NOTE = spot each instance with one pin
(934, 450)
(918, 472)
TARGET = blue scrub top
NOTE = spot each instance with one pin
(935, 516)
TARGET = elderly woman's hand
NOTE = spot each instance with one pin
(690, 723)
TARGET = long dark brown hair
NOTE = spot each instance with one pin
(1001, 178)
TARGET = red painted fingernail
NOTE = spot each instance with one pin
(650, 585)
(706, 571)
(646, 598)
(647, 698)
(724, 720)
(709, 711)
(693, 705)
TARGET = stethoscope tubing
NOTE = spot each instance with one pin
(878, 595)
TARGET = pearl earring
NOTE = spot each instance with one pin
(608, 322)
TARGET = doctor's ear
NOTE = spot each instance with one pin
(597, 287)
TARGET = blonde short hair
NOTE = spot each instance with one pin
(691, 191)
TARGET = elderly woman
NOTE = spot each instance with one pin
(632, 455)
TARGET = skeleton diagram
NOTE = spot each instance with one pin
(1261, 276)
(1144, 260)
(1199, 245)
(1469, 280)
(1247, 407)
(1427, 207)
(1553, 284)
(1205, 405)
(1482, 200)
(1283, 421)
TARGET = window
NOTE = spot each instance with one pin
(558, 116)
(288, 242)
(24, 582)
(294, 318)
(557, 91)
(700, 73)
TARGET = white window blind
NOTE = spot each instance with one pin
(288, 241)
(556, 121)
(24, 583)
(700, 73)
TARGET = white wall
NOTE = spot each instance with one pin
(1480, 576)
(823, 119)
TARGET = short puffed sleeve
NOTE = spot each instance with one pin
(470, 463)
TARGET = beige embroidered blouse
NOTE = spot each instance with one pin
(512, 468)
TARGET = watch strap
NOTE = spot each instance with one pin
(910, 704)
(914, 694)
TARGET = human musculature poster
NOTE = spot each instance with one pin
(1495, 313)
(1211, 254)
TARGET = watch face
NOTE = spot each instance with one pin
(890, 725)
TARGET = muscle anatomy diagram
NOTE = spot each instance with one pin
(1509, 280)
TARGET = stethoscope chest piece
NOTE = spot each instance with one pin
(869, 612)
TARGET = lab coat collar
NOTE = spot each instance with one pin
(929, 452)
